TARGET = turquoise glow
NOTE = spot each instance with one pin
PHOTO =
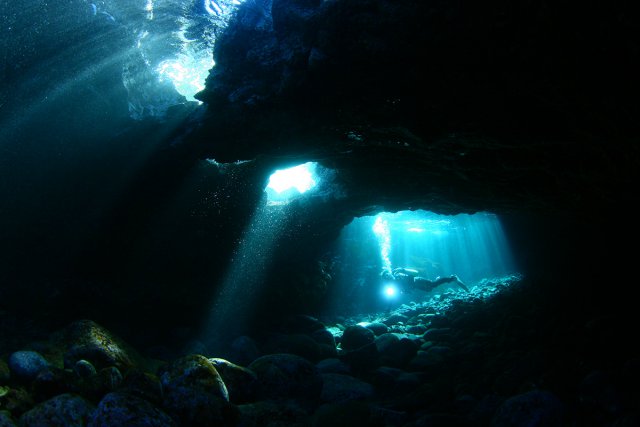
(390, 291)
(473, 247)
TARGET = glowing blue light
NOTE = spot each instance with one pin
(390, 291)
(299, 177)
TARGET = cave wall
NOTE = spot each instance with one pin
(526, 110)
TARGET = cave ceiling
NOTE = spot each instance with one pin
(447, 106)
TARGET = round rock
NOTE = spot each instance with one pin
(122, 409)
(67, 410)
(355, 337)
(26, 365)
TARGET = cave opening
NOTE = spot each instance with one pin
(380, 263)
(513, 306)
(288, 184)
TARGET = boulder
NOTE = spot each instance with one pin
(68, 410)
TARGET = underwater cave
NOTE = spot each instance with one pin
(318, 213)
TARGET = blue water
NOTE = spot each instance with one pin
(473, 247)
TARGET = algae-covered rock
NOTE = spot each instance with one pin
(121, 409)
(86, 340)
(65, 410)
(195, 393)
(193, 371)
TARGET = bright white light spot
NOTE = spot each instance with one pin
(299, 177)
(187, 72)
(364, 324)
(390, 291)
(415, 230)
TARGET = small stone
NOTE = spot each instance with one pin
(25, 365)
(84, 368)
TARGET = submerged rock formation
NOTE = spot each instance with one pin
(525, 110)
(448, 107)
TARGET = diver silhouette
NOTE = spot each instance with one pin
(409, 280)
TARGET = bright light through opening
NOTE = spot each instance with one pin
(299, 177)
(288, 184)
(187, 72)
